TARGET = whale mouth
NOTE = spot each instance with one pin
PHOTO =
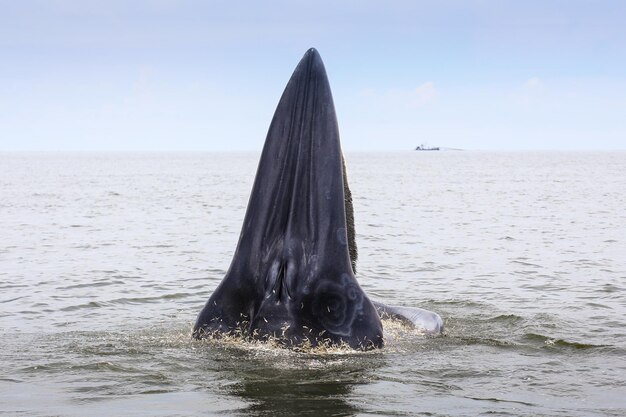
(291, 277)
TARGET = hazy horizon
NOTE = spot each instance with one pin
(168, 75)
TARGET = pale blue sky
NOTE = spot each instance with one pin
(207, 75)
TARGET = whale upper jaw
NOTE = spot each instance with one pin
(291, 277)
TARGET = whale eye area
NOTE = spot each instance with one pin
(335, 306)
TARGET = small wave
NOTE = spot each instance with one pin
(506, 238)
(527, 264)
(11, 299)
(91, 284)
(48, 367)
(487, 341)
(103, 271)
(10, 286)
(142, 300)
(462, 303)
(91, 304)
(156, 391)
(554, 342)
(506, 318)
(500, 400)
(105, 366)
(598, 305)
(126, 301)
(610, 288)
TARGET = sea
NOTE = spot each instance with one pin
(107, 258)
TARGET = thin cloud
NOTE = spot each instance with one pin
(414, 97)
(425, 93)
(533, 83)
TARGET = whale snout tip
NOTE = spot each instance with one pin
(438, 327)
(312, 54)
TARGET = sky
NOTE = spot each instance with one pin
(160, 75)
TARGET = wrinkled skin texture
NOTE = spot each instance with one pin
(291, 278)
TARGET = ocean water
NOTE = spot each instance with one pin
(107, 258)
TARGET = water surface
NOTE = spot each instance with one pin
(106, 259)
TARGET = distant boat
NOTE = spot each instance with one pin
(422, 147)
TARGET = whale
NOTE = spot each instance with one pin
(292, 276)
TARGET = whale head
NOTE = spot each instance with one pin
(291, 277)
